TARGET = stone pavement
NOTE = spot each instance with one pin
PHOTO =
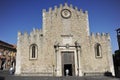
(4, 75)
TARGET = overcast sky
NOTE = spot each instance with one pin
(24, 15)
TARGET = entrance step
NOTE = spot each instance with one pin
(4, 75)
(55, 78)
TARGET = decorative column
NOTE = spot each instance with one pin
(77, 46)
(56, 47)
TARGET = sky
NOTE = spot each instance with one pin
(24, 15)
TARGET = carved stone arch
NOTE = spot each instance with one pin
(98, 50)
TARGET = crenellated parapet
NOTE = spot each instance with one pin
(56, 9)
(35, 34)
(100, 36)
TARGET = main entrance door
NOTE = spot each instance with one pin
(68, 63)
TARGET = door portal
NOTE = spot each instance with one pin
(68, 63)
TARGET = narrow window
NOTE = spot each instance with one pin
(98, 52)
(33, 51)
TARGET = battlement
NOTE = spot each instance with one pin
(33, 33)
(100, 35)
(63, 6)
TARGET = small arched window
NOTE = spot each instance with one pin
(33, 51)
(98, 51)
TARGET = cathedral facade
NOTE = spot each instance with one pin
(64, 46)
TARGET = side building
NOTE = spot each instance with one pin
(7, 55)
(116, 56)
(64, 46)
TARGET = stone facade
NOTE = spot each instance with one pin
(63, 43)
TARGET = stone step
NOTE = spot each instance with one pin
(4, 75)
(9, 77)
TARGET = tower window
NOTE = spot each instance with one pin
(98, 51)
(33, 51)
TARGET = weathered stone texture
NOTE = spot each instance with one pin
(57, 29)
